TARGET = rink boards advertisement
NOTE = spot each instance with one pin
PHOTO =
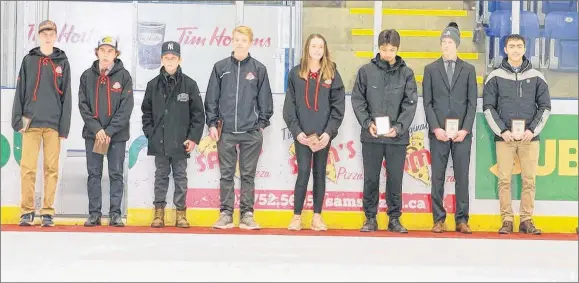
(277, 169)
(204, 32)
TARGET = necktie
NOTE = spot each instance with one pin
(449, 73)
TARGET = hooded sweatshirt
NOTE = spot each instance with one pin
(106, 101)
(43, 92)
(315, 105)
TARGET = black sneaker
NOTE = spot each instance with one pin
(93, 220)
(116, 220)
(47, 220)
(27, 219)
(395, 226)
(370, 225)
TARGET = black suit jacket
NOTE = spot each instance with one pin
(442, 101)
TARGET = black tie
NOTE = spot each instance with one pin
(449, 73)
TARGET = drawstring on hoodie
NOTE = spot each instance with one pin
(43, 61)
(102, 79)
(316, 77)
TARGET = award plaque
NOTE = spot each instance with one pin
(451, 127)
(26, 123)
(313, 140)
(518, 128)
(382, 125)
(100, 148)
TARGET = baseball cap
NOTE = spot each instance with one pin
(46, 25)
(108, 40)
(171, 47)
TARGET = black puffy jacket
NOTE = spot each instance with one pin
(509, 95)
(384, 90)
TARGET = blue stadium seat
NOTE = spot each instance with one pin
(500, 28)
(561, 41)
(487, 7)
(502, 5)
(559, 6)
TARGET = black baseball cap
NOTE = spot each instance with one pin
(171, 47)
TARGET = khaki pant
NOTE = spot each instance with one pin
(31, 140)
(528, 155)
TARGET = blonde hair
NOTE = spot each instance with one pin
(327, 71)
(244, 30)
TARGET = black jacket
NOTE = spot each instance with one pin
(172, 113)
(239, 94)
(315, 105)
(509, 95)
(384, 90)
(106, 102)
(456, 102)
(43, 92)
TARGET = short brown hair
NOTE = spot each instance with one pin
(96, 53)
(244, 30)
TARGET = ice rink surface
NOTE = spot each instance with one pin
(66, 256)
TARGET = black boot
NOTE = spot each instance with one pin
(370, 225)
(395, 226)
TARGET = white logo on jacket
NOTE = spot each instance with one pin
(250, 76)
(58, 70)
(117, 85)
(183, 97)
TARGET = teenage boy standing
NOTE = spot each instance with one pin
(449, 97)
(384, 93)
(105, 101)
(173, 122)
(239, 98)
(41, 112)
(517, 105)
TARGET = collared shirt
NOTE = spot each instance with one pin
(516, 69)
(446, 64)
(109, 68)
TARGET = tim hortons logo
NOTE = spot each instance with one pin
(219, 37)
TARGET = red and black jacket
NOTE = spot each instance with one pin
(106, 101)
(43, 92)
(314, 105)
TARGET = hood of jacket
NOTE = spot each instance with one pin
(525, 66)
(384, 65)
(57, 54)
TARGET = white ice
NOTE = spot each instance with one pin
(55, 256)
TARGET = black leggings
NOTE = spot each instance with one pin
(304, 158)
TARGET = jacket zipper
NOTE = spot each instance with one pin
(519, 90)
(237, 92)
